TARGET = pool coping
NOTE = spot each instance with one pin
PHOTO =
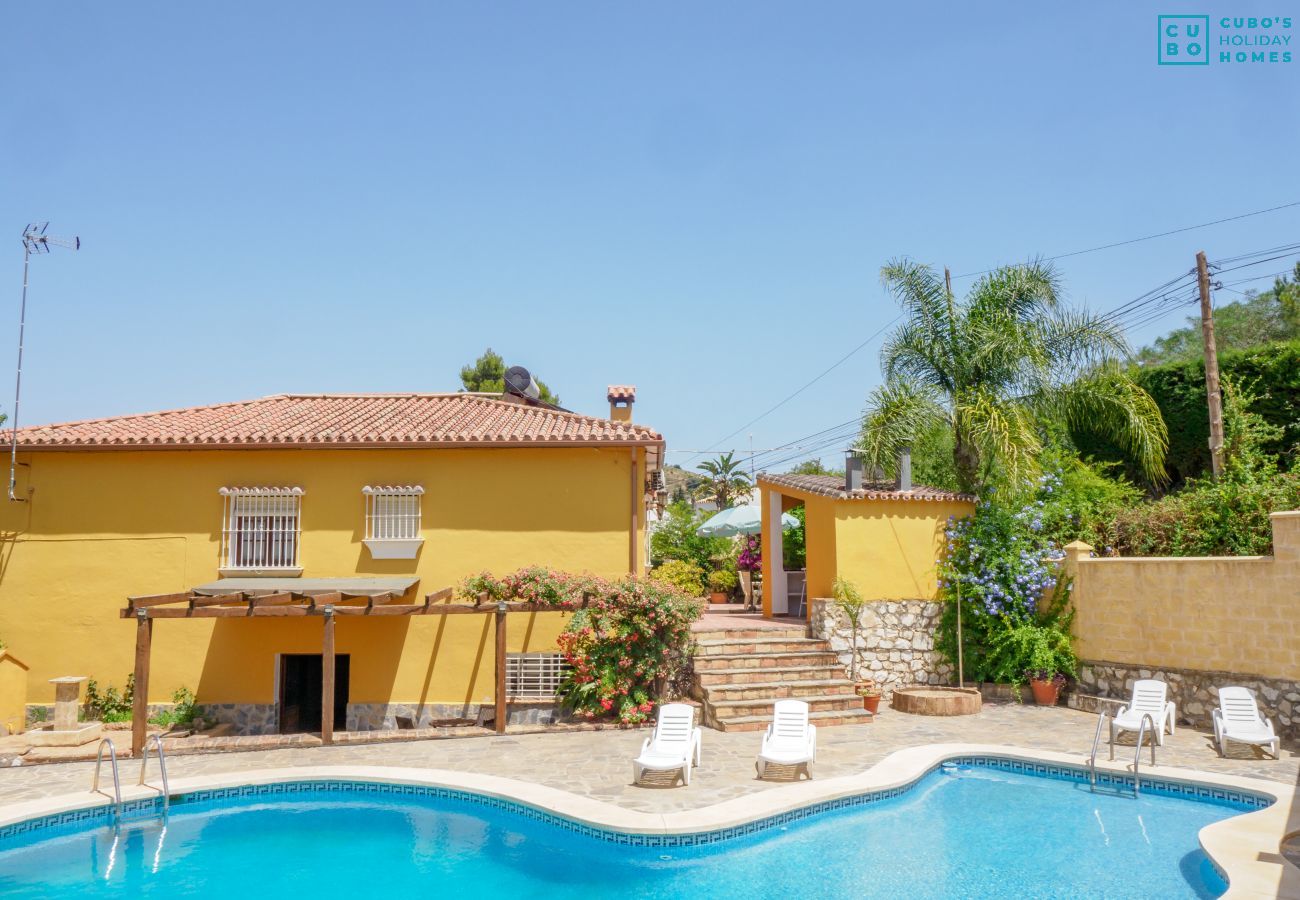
(1245, 847)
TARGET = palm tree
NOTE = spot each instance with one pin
(723, 480)
(993, 367)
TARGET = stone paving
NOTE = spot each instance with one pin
(598, 763)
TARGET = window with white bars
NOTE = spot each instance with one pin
(534, 676)
(393, 513)
(261, 528)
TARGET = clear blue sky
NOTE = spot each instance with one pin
(695, 198)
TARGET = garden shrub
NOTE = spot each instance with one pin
(794, 542)
(627, 644)
(723, 581)
(687, 577)
(110, 704)
(183, 709)
(675, 537)
(1001, 564)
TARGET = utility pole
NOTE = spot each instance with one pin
(1213, 395)
(947, 279)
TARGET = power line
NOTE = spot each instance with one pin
(832, 367)
(1150, 237)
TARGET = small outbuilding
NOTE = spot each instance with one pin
(885, 538)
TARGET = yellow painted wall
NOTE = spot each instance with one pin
(889, 548)
(13, 695)
(1220, 614)
(104, 525)
(820, 541)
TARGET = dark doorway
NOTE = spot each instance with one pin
(300, 692)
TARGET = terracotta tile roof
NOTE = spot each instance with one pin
(621, 392)
(330, 420)
(833, 486)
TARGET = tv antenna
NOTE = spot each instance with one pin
(35, 241)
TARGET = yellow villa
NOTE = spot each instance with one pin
(393, 496)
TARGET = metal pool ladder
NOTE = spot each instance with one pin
(117, 782)
(156, 741)
(1137, 752)
(1092, 760)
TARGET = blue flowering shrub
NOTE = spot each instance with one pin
(1004, 567)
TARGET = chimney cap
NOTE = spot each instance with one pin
(625, 393)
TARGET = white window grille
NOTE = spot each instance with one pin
(535, 676)
(261, 528)
(393, 520)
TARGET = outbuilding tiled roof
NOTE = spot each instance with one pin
(334, 420)
(833, 486)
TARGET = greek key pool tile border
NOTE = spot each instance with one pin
(76, 820)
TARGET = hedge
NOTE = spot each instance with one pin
(1271, 371)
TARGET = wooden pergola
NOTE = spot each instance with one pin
(328, 605)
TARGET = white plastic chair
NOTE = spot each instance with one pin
(1238, 719)
(674, 746)
(791, 740)
(1150, 697)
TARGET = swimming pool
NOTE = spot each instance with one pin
(970, 828)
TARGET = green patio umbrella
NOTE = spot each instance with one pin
(740, 520)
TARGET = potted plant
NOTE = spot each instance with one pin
(1040, 654)
(721, 584)
(848, 600)
(869, 691)
(749, 561)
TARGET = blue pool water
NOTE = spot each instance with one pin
(961, 831)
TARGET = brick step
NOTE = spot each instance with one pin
(771, 660)
(722, 710)
(757, 645)
(749, 634)
(737, 676)
(779, 690)
(857, 716)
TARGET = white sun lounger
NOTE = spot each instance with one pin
(1238, 719)
(790, 740)
(1150, 697)
(674, 746)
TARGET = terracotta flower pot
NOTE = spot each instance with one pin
(871, 703)
(718, 597)
(1046, 693)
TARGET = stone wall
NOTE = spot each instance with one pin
(1195, 693)
(383, 716)
(895, 641)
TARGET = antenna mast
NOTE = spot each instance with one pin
(35, 241)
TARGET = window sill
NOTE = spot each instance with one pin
(393, 549)
(236, 572)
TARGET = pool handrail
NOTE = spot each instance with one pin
(117, 782)
(1137, 751)
(156, 741)
(1096, 737)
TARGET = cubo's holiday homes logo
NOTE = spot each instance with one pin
(1186, 40)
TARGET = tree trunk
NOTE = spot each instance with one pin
(966, 459)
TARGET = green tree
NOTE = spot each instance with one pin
(675, 537)
(1262, 318)
(723, 479)
(991, 368)
(488, 375)
(813, 467)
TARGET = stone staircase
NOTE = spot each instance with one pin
(739, 673)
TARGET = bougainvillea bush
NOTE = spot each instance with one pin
(627, 642)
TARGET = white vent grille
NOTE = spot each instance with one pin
(261, 527)
(393, 512)
(534, 676)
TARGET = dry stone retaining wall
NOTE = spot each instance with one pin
(895, 641)
(1194, 693)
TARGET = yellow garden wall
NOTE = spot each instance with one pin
(1239, 615)
(104, 525)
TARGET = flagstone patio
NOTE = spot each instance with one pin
(598, 763)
